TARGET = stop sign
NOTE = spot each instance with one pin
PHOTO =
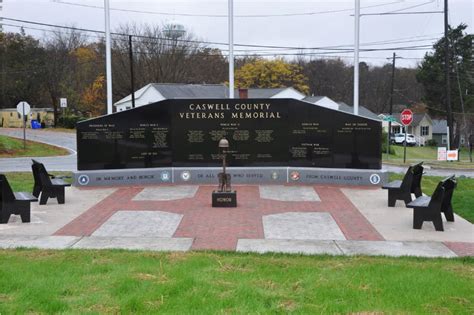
(406, 117)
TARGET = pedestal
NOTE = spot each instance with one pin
(224, 199)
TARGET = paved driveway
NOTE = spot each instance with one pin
(53, 163)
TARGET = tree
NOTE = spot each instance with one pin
(94, 97)
(277, 73)
(61, 61)
(207, 65)
(431, 75)
(21, 61)
(156, 58)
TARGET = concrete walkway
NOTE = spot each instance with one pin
(305, 219)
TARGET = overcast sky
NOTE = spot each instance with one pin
(304, 24)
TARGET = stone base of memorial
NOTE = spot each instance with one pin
(239, 175)
(224, 199)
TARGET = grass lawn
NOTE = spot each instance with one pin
(115, 281)
(463, 196)
(23, 181)
(13, 147)
(428, 155)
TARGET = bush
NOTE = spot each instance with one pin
(69, 121)
(384, 144)
(431, 143)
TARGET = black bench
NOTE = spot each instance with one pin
(427, 208)
(14, 202)
(416, 182)
(48, 185)
(402, 189)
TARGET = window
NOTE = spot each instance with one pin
(425, 130)
(396, 129)
(444, 139)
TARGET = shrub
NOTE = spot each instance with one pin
(384, 144)
(431, 143)
(69, 121)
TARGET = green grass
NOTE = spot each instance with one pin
(427, 154)
(463, 196)
(23, 181)
(13, 147)
(79, 281)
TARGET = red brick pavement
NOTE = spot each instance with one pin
(461, 248)
(220, 228)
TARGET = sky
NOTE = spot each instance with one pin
(297, 24)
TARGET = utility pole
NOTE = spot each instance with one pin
(356, 56)
(132, 79)
(231, 48)
(4, 69)
(391, 103)
(446, 76)
(108, 57)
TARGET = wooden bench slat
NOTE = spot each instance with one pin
(394, 184)
(59, 182)
(420, 202)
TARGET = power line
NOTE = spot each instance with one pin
(224, 15)
(419, 47)
(386, 42)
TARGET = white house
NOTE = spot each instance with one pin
(322, 101)
(155, 92)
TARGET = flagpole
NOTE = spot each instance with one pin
(108, 57)
(231, 49)
(356, 57)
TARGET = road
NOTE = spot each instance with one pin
(54, 163)
(431, 171)
(69, 162)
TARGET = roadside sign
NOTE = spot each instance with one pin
(406, 117)
(23, 108)
(442, 154)
(63, 102)
(452, 155)
(389, 118)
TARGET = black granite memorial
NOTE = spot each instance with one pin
(262, 132)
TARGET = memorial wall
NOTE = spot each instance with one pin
(261, 132)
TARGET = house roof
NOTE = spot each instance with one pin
(417, 118)
(362, 111)
(313, 99)
(262, 93)
(179, 90)
(440, 126)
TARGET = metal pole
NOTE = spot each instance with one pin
(108, 57)
(448, 138)
(405, 147)
(24, 125)
(132, 79)
(446, 73)
(231, 48)
(391, 103)
(356, 57)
